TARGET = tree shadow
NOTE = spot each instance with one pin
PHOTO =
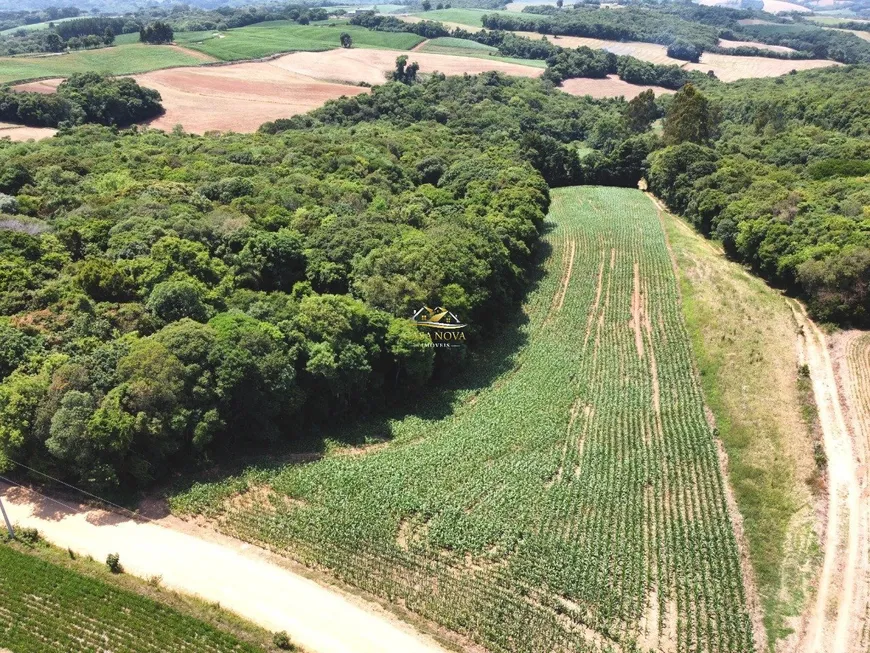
(43, 507)
(482, 366)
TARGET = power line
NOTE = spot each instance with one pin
(78, 489)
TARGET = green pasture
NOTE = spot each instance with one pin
(264, 39)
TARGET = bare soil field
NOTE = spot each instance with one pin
(612, 86)
(725, 43)
(729, 68)
(372, 66)
(238, 98)
(20, 133)
(241, 97)
(651, 52)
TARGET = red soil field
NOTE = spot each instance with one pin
(239, 97)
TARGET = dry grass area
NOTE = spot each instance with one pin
(371, 66)
(239, 98)
(612, 86)
(729, 68)
(746, 345)
(725, 43)
(20, 133)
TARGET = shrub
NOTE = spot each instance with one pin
(27, 535)
(282, 640)
(8, 204)
(113, 562)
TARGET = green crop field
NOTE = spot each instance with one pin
(563, 495)
(263, 39)
(46, 607)
(118, 60)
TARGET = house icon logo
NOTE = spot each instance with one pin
(445, 329)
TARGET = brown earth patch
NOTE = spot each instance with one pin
(372, 66)
(45, 86)
(236, 98)
(21, 133)
(611, 86)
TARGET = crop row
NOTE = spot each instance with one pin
(45, 608)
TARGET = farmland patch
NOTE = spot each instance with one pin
(582, 483)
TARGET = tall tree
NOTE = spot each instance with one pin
(689, 118)
(641, 111)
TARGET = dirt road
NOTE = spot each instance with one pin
(834, 623)
(240, 577)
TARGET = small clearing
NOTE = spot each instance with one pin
(44, 86)
(611, 86)
(242, 578)
(21, 133)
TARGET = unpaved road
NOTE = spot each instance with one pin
(238, 576)
(834, 622)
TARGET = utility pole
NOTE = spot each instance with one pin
(6, 518)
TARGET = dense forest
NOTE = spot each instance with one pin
(781, 180)
(169, 296)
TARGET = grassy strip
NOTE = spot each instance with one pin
(744, 337)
